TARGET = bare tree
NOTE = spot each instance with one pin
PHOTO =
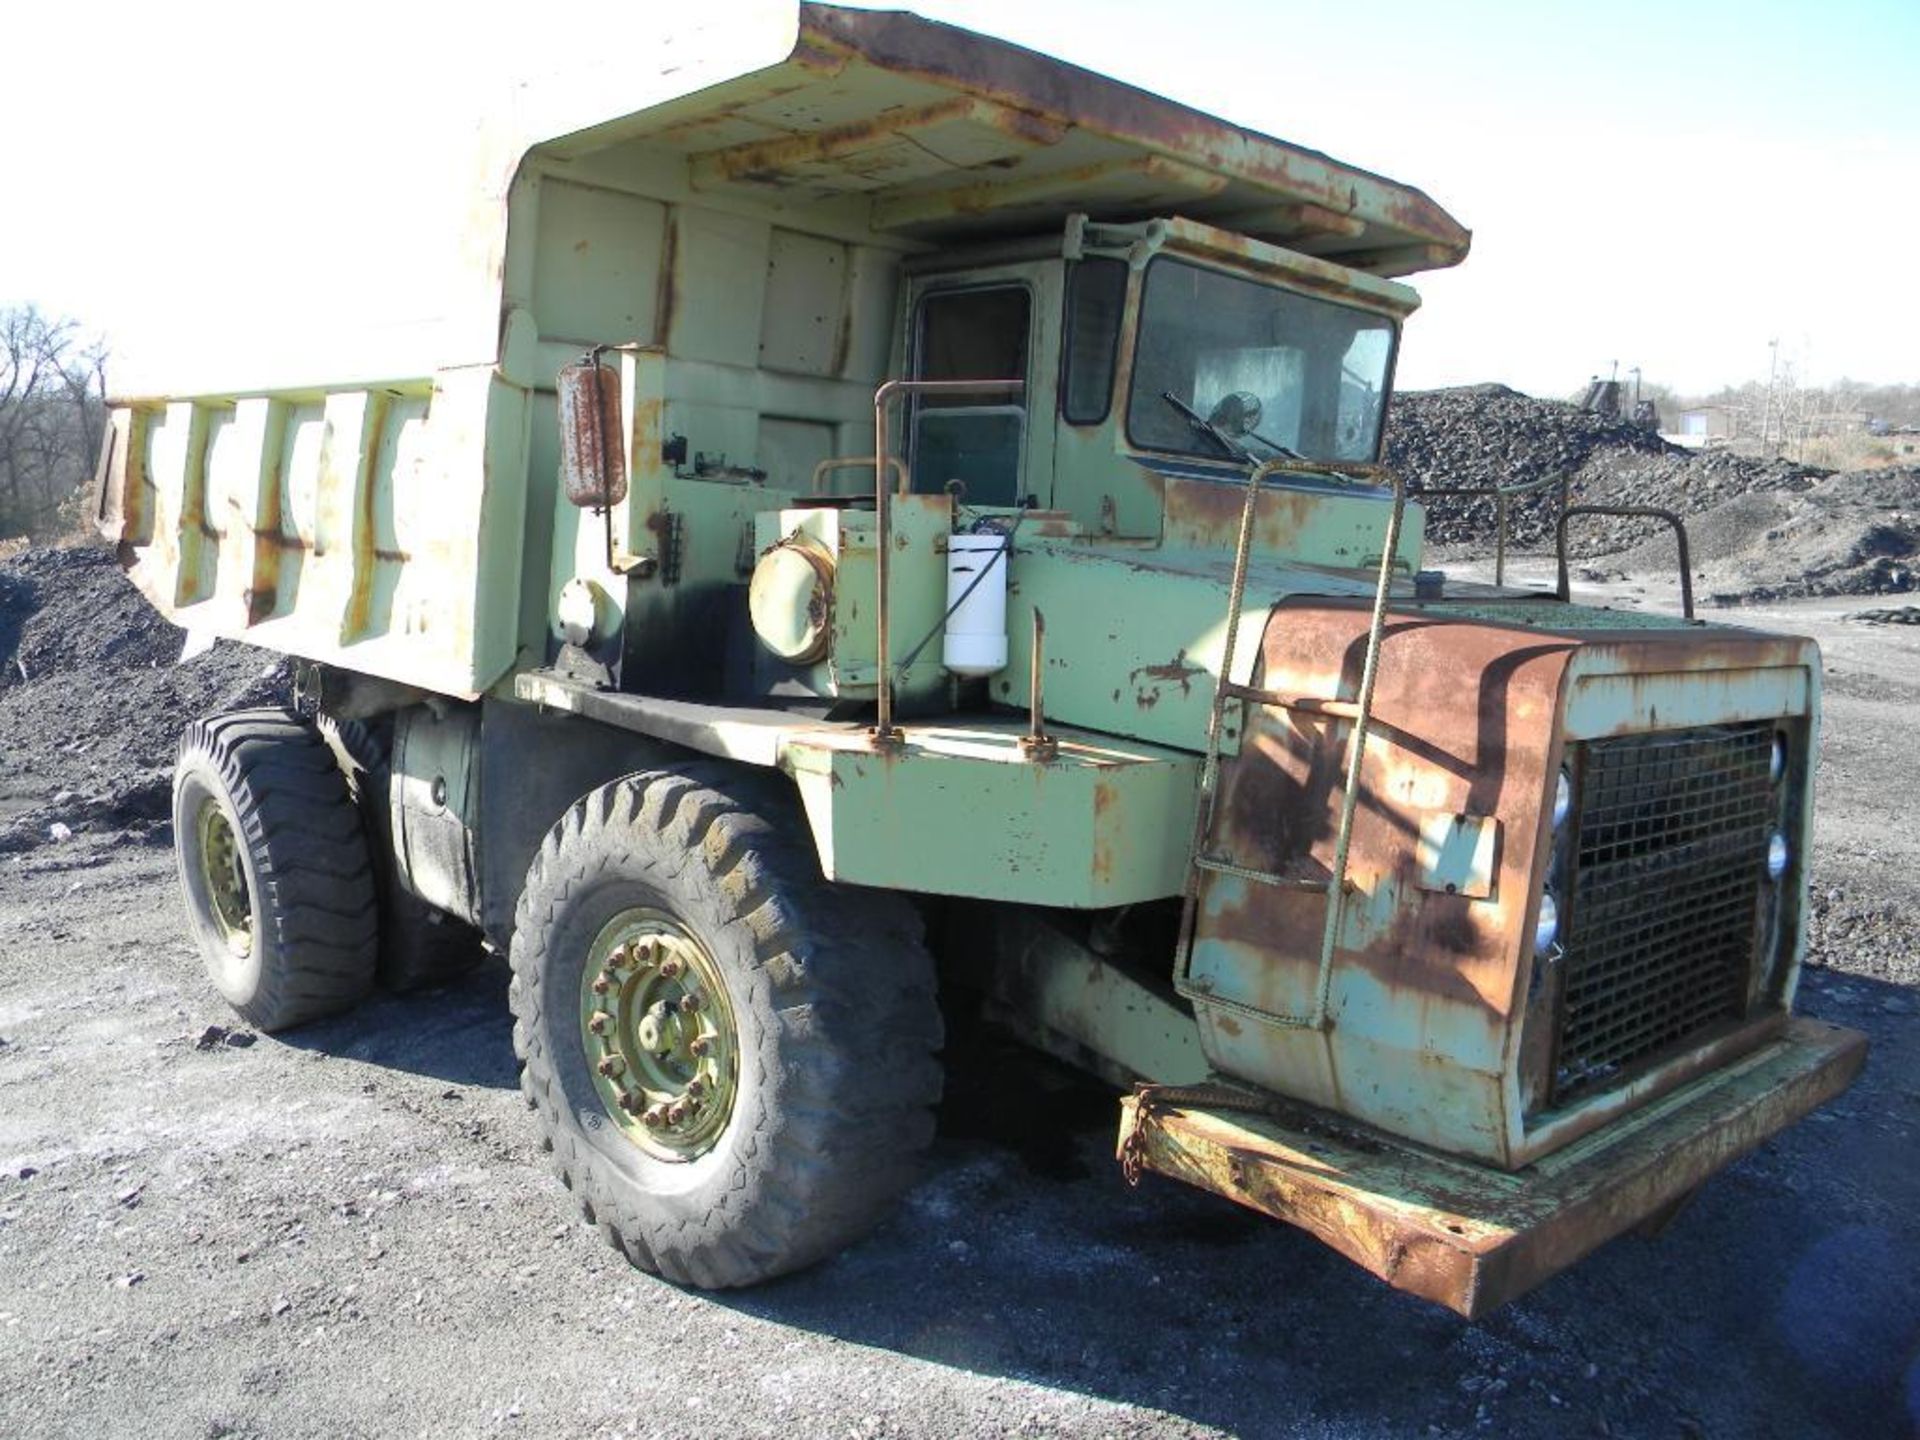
(52, 408)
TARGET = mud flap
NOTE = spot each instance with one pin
(1467, 1236)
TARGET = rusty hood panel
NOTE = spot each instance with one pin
(1424, 987)
(1432, 962)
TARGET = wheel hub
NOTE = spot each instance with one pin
(224, 875)
(659, 1034)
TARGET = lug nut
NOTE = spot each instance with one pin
(655, 1117)
(611, 1066)
(700, 1045)
(696, 1087)
(690, 1002)
(670, 968)
(600, 1022)
(643, 951)
(676, 1113)
(602, 983)
(629, 1101)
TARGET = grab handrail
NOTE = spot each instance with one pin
(1224, 686)
(885, 734)
(1563, 587)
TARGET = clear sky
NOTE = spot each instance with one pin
(1668, 185)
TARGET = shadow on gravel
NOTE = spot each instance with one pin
(1786, 1300)
(460, 1032)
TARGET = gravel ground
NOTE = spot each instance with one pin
(349, 1231)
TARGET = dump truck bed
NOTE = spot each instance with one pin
(400, 525)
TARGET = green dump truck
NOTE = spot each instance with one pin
(899, 525)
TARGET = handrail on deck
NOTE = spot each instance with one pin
(1563, 587)
(885, 734)
(1503, 495)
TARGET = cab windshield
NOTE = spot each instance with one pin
(1230, 368)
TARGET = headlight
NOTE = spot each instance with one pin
(1562, 799)
(1546, 929)
(1776, 856)
(1777, 766)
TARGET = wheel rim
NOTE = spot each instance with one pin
(659, 1033)
(223, 874)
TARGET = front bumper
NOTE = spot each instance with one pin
(1466, 1236)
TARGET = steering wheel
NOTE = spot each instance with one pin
(1237, 413)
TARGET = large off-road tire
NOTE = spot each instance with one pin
(419, 945)
(274, 868)
(813, 1029)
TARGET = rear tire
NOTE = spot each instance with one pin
(273, 867)
(817, 1011)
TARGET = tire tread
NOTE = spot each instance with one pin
(846, 966)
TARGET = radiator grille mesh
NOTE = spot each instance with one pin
(1669, 857)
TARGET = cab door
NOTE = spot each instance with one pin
(997, 325)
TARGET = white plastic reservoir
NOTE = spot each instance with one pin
(976, 639)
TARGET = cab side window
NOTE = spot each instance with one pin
(971, 334)
(1096, 299)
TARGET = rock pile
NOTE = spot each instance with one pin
(91, 701)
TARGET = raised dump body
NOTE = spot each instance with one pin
(753, 237)
(887, 464)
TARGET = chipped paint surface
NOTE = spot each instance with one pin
(334, 524)
(961, 810)
(1474, 1239)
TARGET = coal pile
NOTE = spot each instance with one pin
(1758, 529)
(1491, 435)
(1855, 533)
(92, 702)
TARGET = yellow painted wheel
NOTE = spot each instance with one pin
(224, 873)
(657, 1023)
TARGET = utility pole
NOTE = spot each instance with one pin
(1766, 413)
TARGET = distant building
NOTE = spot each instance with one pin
(1702, 426)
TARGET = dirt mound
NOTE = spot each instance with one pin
(91, 700)
(1853, 534)
(1899, 615)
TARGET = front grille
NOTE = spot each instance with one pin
(1669, 854)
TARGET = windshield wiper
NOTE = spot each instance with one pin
(1206, 427)
(1282, 451)
(1220, 437)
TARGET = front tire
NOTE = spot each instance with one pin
(273, 867)
(775, 1117)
